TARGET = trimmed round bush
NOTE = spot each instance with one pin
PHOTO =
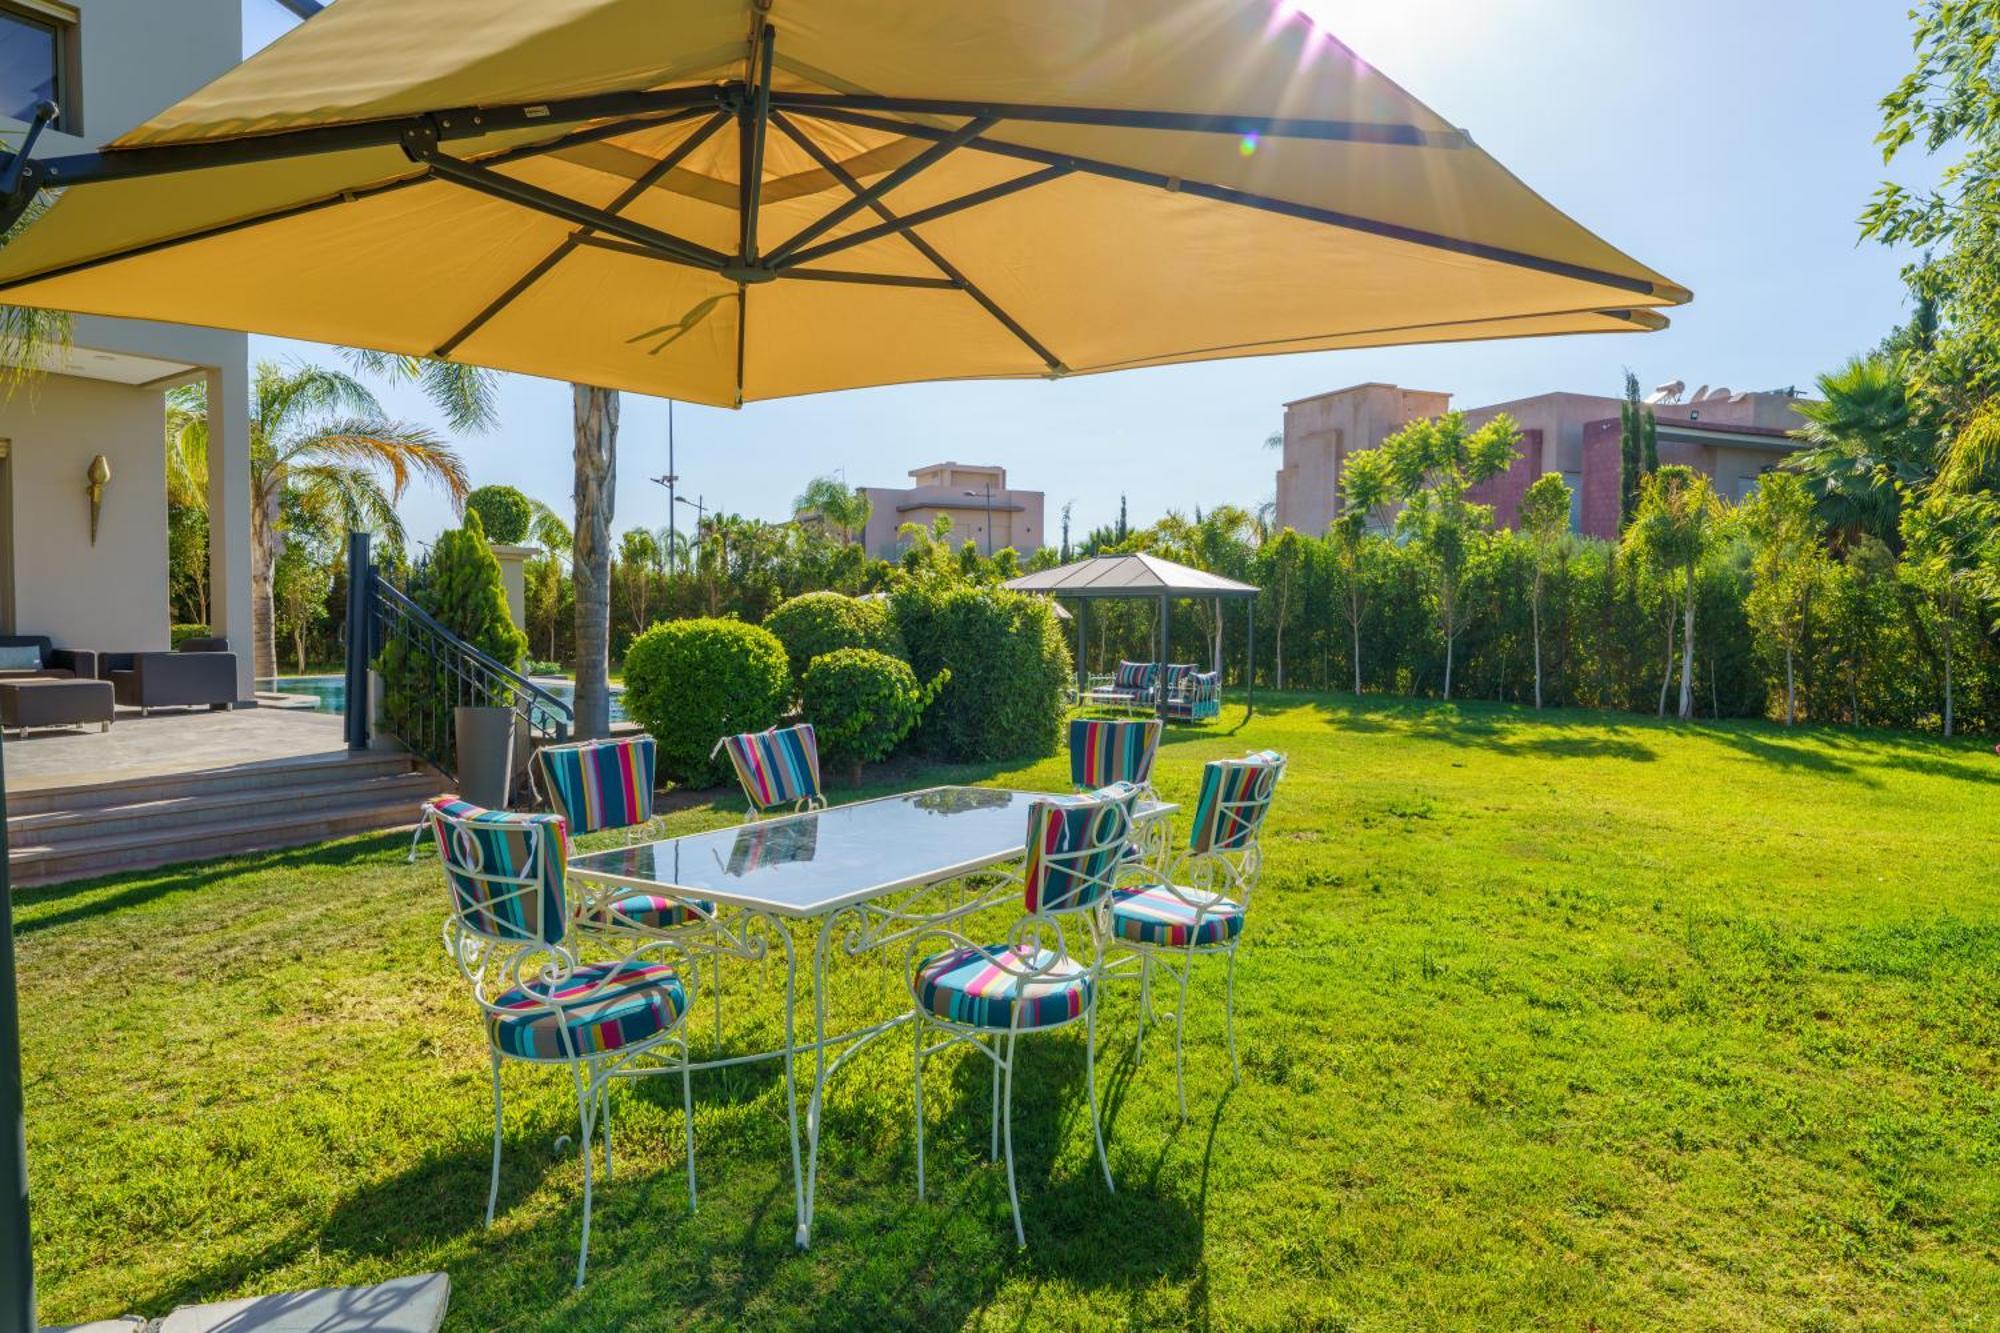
(692, 682)
(1008, 692)
(505, 512)
(862, 703)
(821, 622)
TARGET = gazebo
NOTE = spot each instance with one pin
(1142, 577)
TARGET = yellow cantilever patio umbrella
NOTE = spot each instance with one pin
(938, 191)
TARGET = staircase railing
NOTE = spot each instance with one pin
(435, 672)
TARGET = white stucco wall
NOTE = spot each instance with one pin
(111, 597)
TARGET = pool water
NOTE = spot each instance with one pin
(329, 693)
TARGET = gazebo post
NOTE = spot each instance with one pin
(1082, 671)
(1160, 681)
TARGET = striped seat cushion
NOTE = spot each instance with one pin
(1154, 915)
(776, 767)
(639, 1002)
(651, 911)
(1102, 751)
(967, 986)
(600, 784)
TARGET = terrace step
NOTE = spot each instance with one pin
(142, 823)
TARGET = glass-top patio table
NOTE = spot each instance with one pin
(866, 876)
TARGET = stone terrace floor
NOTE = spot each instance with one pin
(166, 743)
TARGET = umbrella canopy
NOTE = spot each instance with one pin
(1138, 575)
(934, 191)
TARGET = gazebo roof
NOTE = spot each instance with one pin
(1137, 575)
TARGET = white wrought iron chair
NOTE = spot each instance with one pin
(987, 995)
(510, 931)
(1103, 751)
(1200, 905)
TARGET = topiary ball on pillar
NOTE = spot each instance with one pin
(505, 512)
(692, 682)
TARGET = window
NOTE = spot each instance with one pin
(36, 49)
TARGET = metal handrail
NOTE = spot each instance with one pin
(476, 679)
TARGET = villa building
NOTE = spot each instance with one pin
(983, 509)
(1732, 437)
(101, 585)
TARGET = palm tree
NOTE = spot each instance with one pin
(835, 504)
(595, 418)
(465, 394)
(319, 443)
(1864, 438)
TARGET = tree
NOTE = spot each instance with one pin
(1065, 554)
(1952, 555)
(835, 504)
(638, 556)
(1365, 489)
(507, 513)
(1950, 104)
(1789, 569)
(1285, 561)
(595, 413)
(1544, 521)
(1432, 464)
(1866, 440)
(318, 438)
(1676, 528)
(1631, 455)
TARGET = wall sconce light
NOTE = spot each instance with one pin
(99, 472)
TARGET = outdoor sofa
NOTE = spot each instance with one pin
(1192, 694)
(198, 673)
(42, 685)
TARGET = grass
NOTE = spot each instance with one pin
(1564, 1021)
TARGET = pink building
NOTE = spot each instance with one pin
(983, 509)
(1732, 437)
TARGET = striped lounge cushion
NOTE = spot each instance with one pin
(651, 911)
(967, 986)
(639, 1002)
(1135, 675)
(1155, 915)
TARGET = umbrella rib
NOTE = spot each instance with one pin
(867, 197)
(1284, 207)
(923, 215)
(644, 182)
(756, 120)
(423, 148)
(809, 274)
(918, 243)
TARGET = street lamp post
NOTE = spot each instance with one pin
(670, 481)
(989, 518)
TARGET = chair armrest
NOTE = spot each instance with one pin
(80, 661)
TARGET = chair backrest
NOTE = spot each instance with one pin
(504, 872)
(1135, 675)
(1103, 751)
(776, 767)
(1178, 672)
(600, 785)
(1076, 845)
(1235, 797)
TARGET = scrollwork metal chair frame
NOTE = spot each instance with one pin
(1222, 862)
(497, 963)
(1036, 948)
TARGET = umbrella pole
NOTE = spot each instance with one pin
(17, 1265)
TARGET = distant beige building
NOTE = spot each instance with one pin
(984, 510)
(1734, 438)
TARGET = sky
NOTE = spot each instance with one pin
(1728, 145)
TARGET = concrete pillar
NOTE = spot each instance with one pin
(229, 609)
(513, 575)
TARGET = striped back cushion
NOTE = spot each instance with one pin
(1075, 844)
(776, 767)
(1136, 675)
(1103, 752)
(600, 784)
(487, 856)
(1178, 672)
(1235, 797)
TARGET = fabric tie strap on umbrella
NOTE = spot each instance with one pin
(1018, 189)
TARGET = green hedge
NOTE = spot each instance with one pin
(823, 622)
(179, 634)
(1007, 695)
(691, 682)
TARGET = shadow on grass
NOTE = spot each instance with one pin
(134, 889)
(1501, 729)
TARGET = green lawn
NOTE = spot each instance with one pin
(1571, 1021)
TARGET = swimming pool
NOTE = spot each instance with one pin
(329, 693)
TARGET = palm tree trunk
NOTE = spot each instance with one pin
(264, 539)
(596, 417)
